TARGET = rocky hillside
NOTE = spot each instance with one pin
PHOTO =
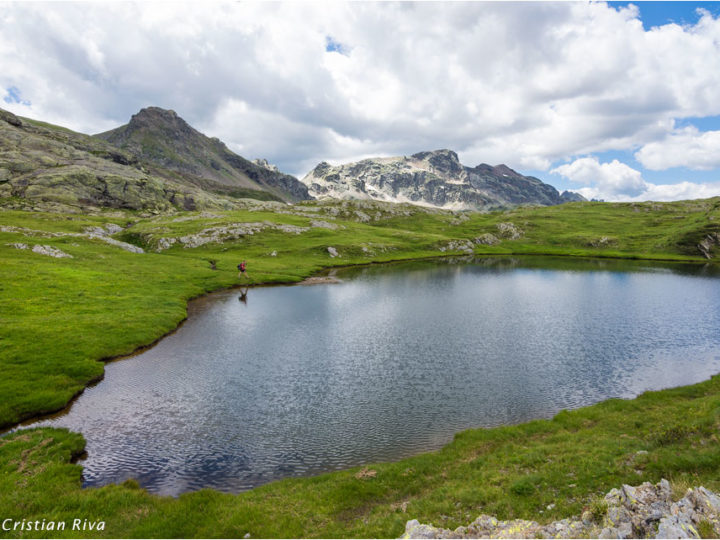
(162, 139)
(46, 167)
(432, 179)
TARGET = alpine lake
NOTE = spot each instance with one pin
(390, 362)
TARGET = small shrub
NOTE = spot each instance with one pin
(680, 486)
(522, 487)
(598, 509)
(706, 529)
(673, 435)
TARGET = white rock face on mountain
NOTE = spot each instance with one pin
(436, 179)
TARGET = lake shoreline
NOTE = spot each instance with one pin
(320, 279)
(504, 264)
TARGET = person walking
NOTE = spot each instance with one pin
(242, 270)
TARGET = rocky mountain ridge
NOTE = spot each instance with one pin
(435, 179)
(158, 163)
(160, 137)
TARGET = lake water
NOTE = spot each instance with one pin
(389, 363)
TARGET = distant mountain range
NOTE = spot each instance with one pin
(158, 162)
(433, 179)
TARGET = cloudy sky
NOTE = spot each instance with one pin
(619, 100)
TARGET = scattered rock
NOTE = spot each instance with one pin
(332, 251)
(225, 233)
(487, 239)
(323, 224)
(645, 511)
(510, 231)
(273, 254)
(165, 243)
(18, 245)
(458, 245)
(117, 243)
(32, 232)
(362, 216)
(95, 233)
(109, 229)
(50, 252)
(603, 241)
(294, 229)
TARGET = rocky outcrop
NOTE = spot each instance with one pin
(10, 118)
(510, 231)
(645, 511)
(44, 167)
(42, 250)
(220, 234)
(435, 179)
(487, 239)
(708, 244)
(93, 233)
(103, 234)
(264, 164)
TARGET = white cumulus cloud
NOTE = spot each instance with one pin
(528, 84)
(686, 147)
(612, 179)
(616, 181)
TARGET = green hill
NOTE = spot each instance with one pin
(76, 289)
(46, 167)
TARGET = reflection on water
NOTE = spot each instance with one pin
(391, 362)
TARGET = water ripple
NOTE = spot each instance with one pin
(303, 380)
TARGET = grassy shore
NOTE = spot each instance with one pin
(62, 316)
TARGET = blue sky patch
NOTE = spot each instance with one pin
(660, 13)
(707, 123)
(13, 96)
(331, 45)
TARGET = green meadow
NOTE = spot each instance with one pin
(61, 318)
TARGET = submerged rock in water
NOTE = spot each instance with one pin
(644, 511)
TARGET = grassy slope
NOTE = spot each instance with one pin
(60, 316)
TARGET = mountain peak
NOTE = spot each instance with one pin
(156, 111)
(156, 117)
(432, 178)
(162, 138)
(444, 161)
(442, 154)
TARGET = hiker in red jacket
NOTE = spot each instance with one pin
(241, 270)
